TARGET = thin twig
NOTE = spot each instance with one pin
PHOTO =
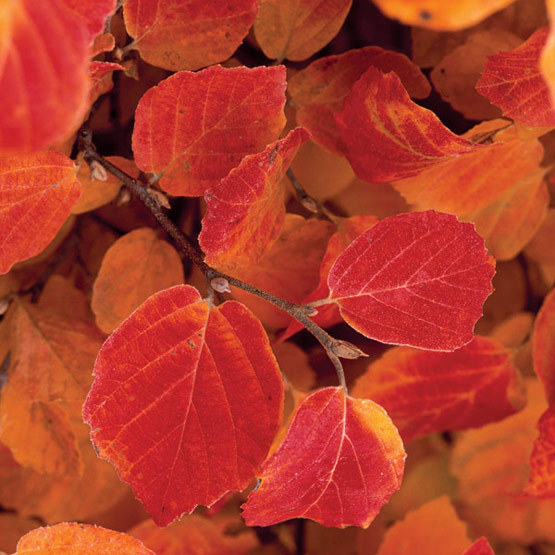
(335, 348)
(310, 203)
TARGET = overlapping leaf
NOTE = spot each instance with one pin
(544, 346)
(178, 387)
(542, 459)
(43, 71)
(340, 462)
(416, 279)
(187, 35)
(547, 57)
(135, 267)
(512, 80)
(79, 539)
(101, 78)
(245, 212)
(318, 91)
(480, 547)
(296, 29)
(473, 386)
(193, 128)
(37, 192)
(387, 136)
(440, 15)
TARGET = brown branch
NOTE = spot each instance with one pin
(307, 201)
(335, 348)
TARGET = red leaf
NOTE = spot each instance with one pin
(512, 80)
(93, 14)
(43, 74)
(101, 78)
(473, 386)
(245, 211)
(542, 459)
(544, 346)
(193, 128)
(480, 547)
(415, 279)
(389, 137)
(187, 35)
(340, 462)
(37, 193)
(318, 91)
(186, 401)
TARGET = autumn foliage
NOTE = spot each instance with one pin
(277, 276)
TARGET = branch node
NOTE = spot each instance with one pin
(344, 349)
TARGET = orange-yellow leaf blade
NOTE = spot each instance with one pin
(542, 459)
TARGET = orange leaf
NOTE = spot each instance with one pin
(193, 535)
(79, 539)
(441, 15)
(289, 269)
(432, 527)
(219, 392)
(544, 346)
(187, 35)
(491, 465)
(245, 211)
(540, 247)
(542, 459)
(387, 136)
(340, 462)
(185, 132)
(512, 81)
(415, 279)
(296, 29)
(473, 386)
(135, 267)
(12, 527)
(37, 192)
(43, 72)
(318, 91)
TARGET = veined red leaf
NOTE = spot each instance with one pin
(348, 229)
(186, 400)
(415, 279)
(387, 136)
(93, 14)
(340, 462)
(480, 547)
(245, 211)
(296, 29)
(473, 386)
(193, 128)
(544, 346)
(512, 80)
(318, 91)
(101, 78)
(43, 71)
(441, 15)
(79, 539)
(542, 459)
(37, 192)
(187, 35)
(547, 58)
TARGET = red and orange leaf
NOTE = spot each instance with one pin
(491, 465)
(348, 229)
(188, 134)
(12, 527)
(92, 14)
(296, 29)
(340, 462)
(79, 539)
(101, 78)
(104, 42)
(191, 535)
(318, 91)
(289, 269)
(135, 267)
(432, 528)
(542, 459)
(547, 57)
(43, 74)
(186, 401)
(96, 193)
(480, 547)
(386, 136)
(415, 279)
(473, 386)
(512, 80)
(187, 35)
(245, 211)
(37, 192)
(441, 15)
(544, 346)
